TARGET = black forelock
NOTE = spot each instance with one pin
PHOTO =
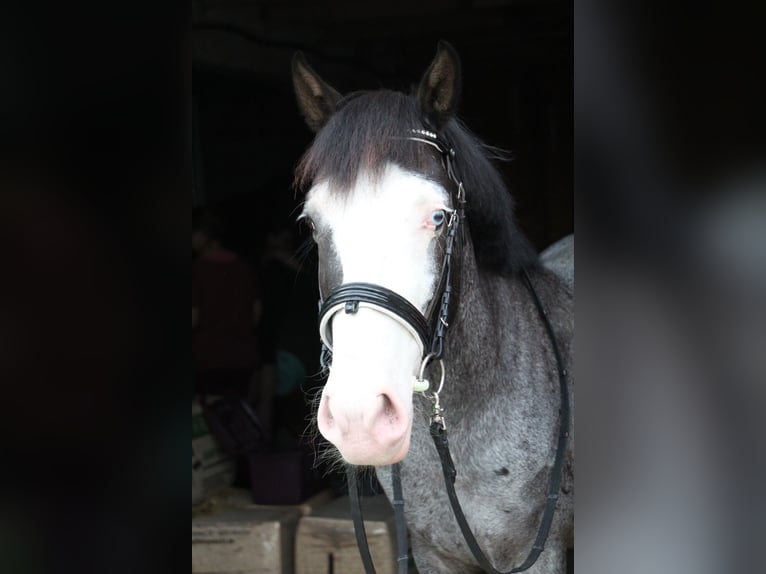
(369, 130)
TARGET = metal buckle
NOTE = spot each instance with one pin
(422, 385)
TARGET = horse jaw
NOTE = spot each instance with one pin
(380, 235)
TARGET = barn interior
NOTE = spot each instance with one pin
(248, 136)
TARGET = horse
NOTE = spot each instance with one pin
(386, 176)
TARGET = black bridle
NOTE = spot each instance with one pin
(429, 330)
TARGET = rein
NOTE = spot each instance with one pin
(430, 338)
(439, 436)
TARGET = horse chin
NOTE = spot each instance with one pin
(364, 453)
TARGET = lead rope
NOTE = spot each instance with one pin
(439, 435)
(401, 525)
(356, 515)
(402, 546)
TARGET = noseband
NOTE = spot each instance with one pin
(427, 329)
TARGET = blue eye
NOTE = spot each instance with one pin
(438, 217)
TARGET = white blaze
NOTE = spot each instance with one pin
(381, 233)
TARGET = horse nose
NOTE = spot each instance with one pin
(366, 430)
(375, 415)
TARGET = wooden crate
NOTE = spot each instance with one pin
(230, 540)
(241, 498)
(325, 542)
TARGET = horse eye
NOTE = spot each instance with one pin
(438, 217)
(308, 222)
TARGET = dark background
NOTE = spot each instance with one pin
(517, 76)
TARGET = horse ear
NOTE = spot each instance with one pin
(439, 89)
(316, 98)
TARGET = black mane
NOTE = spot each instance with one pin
(370, 130)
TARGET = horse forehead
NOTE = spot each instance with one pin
(390, 199)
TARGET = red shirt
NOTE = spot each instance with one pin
(224, 290)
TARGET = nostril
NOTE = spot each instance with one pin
(389, 410)
(391, 416)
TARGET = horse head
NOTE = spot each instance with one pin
(380, 204)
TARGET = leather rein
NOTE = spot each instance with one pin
(430, 338)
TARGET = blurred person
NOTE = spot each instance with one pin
(288, 327)
(226, 311)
